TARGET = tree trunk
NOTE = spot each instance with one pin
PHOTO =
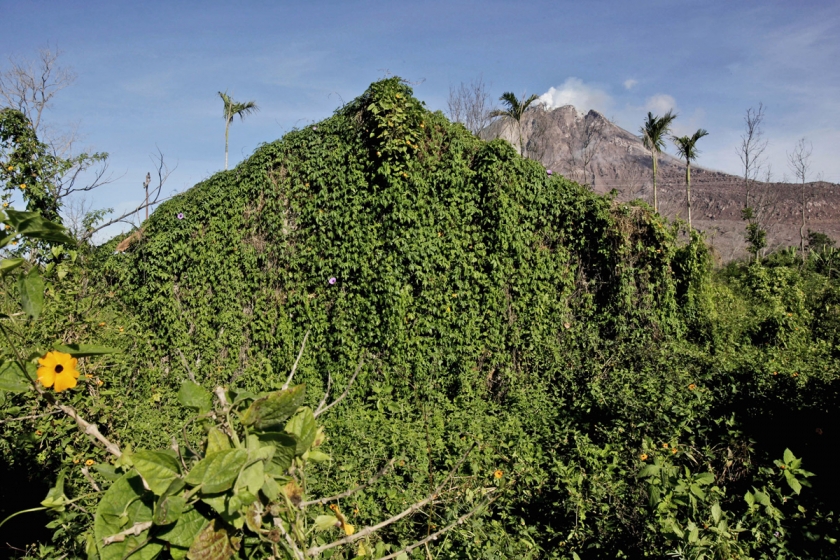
(655, 197)
(227, 129)
(688, 191)
(802, 226)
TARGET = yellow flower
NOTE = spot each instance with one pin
(643, 457)
(346, 527)
(23, 187)
(89, 462)
(692, 386)
(498, 474)
(88, 376)
(665, 446)
(58, 369)
(39, 433)
(5, 205)
(674, 450)
(99, 382)
(10, 168)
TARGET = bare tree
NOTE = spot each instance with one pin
(152, 198)
(470, 105)
(751, 150)
(29, 86)
(799, 162)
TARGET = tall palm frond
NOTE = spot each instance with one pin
(653, 131)
(687, 149)
(233, 108)
(514, 109)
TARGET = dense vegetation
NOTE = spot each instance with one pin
(635, 403)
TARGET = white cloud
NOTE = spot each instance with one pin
(630, 84)
(660, 103)
(574, 92)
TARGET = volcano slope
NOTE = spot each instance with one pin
(487, 302)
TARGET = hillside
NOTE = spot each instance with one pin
(564, 139)
(616, 399)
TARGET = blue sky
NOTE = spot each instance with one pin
(149, 72)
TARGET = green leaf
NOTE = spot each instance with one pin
(31, 287)
(649, 470)
(318, 456)
(8, 265)
(211, 544)
(185, 530)
(124, 504)
(217, 441)
(794, 484)
(252, 477)
(56, 499)
(285, 446)
(788, 456)
(84, 350)
(302, 426)
(697, 491)
(217, 472)
(704, 478)
(272, 410)
(35, 226)
(750, 499)
(169, 509)
(159, 469)
(325, 522)
(716, 512)
(12, 379)
(192, 395)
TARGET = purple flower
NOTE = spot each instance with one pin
(180, 215)
(549, 171)
(332, 280)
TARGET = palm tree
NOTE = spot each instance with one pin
(653, 137)
(687, 148)
(514, 110)
(233, 108)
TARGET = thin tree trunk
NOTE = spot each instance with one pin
(655, 197)
(227, 129)
(802, 227)
(688, 191)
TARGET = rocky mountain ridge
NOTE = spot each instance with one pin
(589, 148)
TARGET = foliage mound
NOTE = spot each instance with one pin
(584, 345)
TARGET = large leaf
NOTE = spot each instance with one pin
(169, 509)
(12, 378)
(285, 447)
(35, 226)
(794, 484)
(252, 477)
(303, 427)
(217, 472)
(211, 544)
(271, 411)
(8, 265)
(31, 287)
(158, 468)
(124, 504)
(84, 350)
(185, 530)
(192, 395)
(217, 441)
